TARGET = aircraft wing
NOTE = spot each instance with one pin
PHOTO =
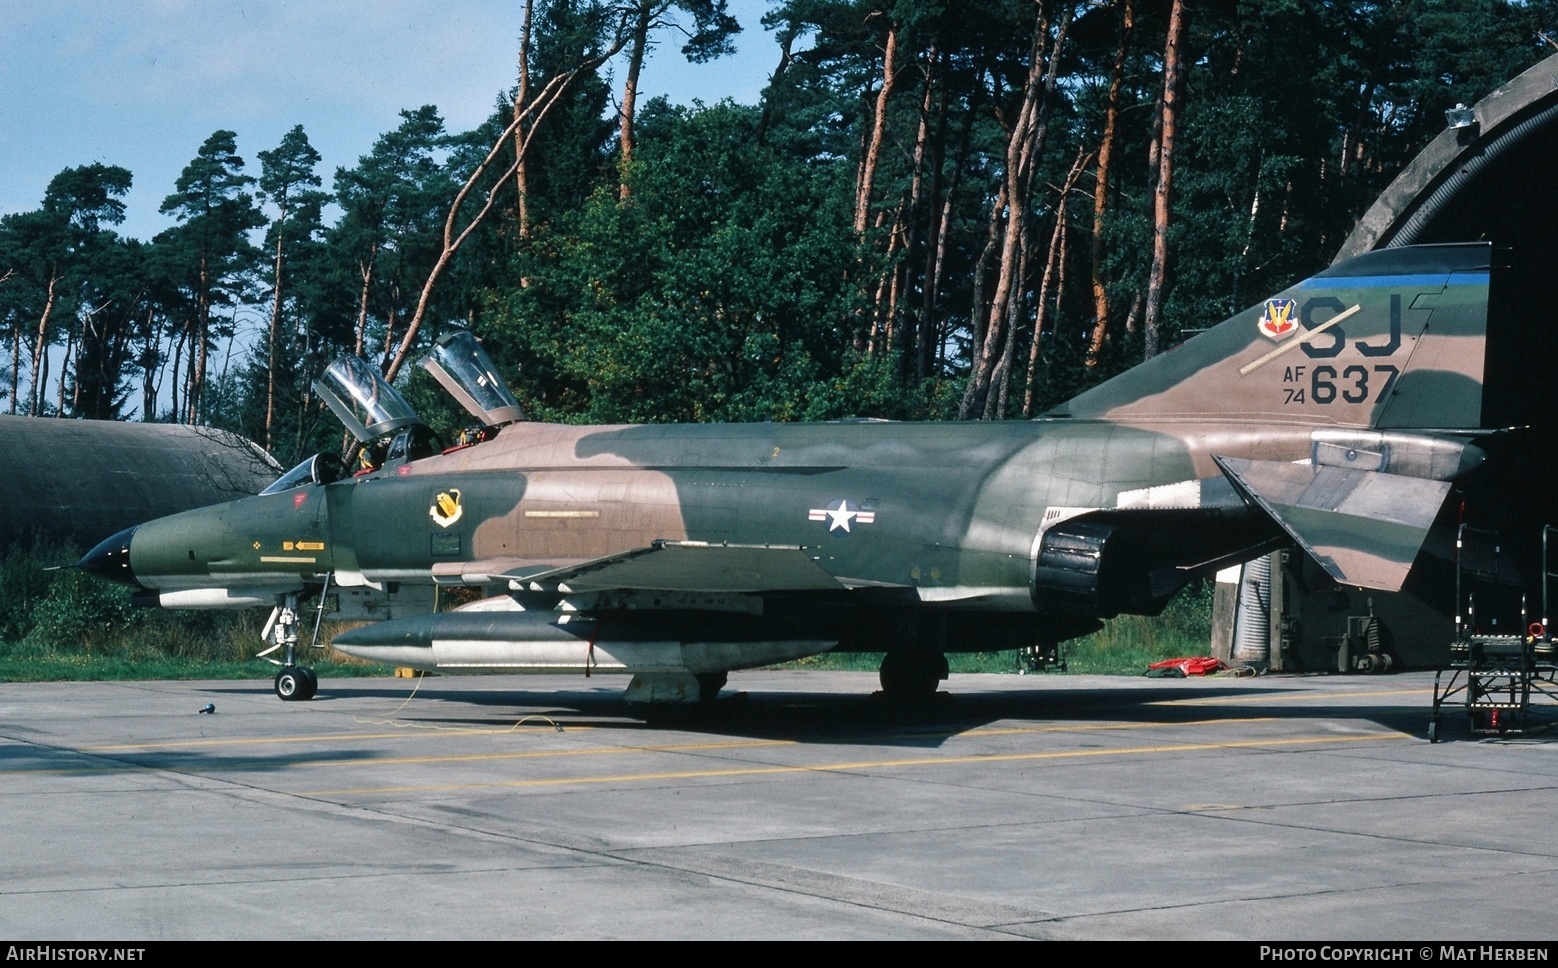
(1363, 527)
(690, 566)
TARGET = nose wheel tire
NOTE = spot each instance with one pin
(296, 684)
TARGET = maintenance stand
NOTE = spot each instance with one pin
(1495, 672)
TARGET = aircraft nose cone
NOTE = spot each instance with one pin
(111, 559)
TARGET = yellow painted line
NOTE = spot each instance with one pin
(548, 754)
(403, 760)
(357, 736)
(509, 730)
(862, 765)
(264, 741)
(745, 744)
(1289, 697)
(562, 514)
(587, 751)
(285, 560)
(732, 744)
(1086, 727)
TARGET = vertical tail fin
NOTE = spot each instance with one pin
(1390, 339)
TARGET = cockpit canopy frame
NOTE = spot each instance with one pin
(362, 399)
(458, 362)
(318, 469)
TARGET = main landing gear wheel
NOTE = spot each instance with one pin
(296, 683)
(912, 676)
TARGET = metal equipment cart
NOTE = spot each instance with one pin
(1495, 672)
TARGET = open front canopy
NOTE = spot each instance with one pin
(366, 404)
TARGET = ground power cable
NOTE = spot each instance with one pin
(390, 721)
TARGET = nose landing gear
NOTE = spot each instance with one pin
(294, 683)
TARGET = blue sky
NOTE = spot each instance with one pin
(141, 83)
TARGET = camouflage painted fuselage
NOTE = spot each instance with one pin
(1334, 416)
(950, 510)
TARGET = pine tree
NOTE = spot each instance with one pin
(210, 253)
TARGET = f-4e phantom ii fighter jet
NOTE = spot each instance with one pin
(1335, 417)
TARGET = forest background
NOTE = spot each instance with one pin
(936, 210)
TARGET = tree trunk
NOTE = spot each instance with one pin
(1041, 304)
(873, 152)
(34, 398)
(389, 329)
(1172, 70)
(1000, 379)
(366, 270)
(931, 326)
(521, 100)
(16, 364)
(43, 386)
(1095, 345)
(1054, 270)
(1024, 145)
(640, 40)
(979, 308)
(452, 240)
(177, 381)
(198, 346)
(270, 343)
(786, 48)
(909, 337)
(898, 242)
(151, 361)
(981, 379)
(885, 304)
(70, 351)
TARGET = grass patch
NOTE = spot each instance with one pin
(24, 662)
(66, 625)
(1124, 646)
(1130, 643)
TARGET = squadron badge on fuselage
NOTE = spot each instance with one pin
(840, 515)
(446, 509)
(1276, 318)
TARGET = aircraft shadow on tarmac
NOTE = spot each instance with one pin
(849, 718)
(817, 718)
(29, 758)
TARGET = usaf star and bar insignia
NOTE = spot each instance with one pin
(841, 516)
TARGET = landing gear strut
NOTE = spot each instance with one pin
(709, 685)
(294, 683)
(912, 675)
